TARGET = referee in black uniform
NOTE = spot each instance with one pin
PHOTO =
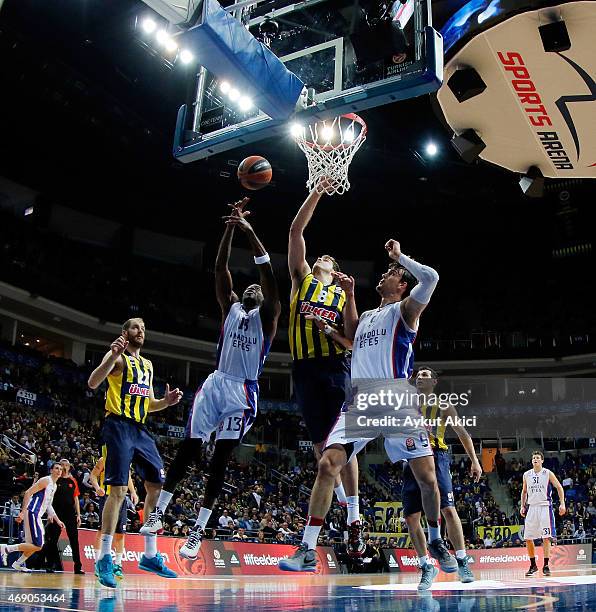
(67, 507)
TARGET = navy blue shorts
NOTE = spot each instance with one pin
(122, 517)
(322, 386)
(124, 443)
(410, 493)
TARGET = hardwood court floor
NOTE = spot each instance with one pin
(496, 590)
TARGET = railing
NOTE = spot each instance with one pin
(10, 528)
(17, 450)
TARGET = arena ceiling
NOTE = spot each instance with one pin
(88, 121)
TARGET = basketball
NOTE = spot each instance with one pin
(254, 172)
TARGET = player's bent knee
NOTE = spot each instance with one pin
(118, 492)
(412, 519)
(330, 464)
(449, 511)
(427, 482)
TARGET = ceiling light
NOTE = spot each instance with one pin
(186, 56)
(431, 149)
(148, 25)
(245, 103)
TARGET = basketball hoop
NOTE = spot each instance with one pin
(330, 150)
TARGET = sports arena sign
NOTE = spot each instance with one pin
(499, 533)
(385, 511)
(530, 98)
(26, 397)
(215, 558)
(406, 560)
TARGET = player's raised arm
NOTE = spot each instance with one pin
(111, 361)
(420, 295)
(296, 244)
(350, 312)
(271, 308)
(223, 279)
(560, 492)
(466, 440)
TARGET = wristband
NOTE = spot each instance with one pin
(262, 259)
(328, 330)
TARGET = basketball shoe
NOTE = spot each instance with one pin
(154, 524)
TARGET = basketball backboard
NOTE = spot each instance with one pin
(348, 55)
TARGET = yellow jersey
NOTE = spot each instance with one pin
(436, 434)
(129, 392)
(307, 341)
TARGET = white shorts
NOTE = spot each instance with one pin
(34, 533)
(539, 523)
(397, 449)
(224, 404)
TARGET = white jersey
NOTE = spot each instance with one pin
(538, 487)
(242, 346)
(42, 499)
(383, 345)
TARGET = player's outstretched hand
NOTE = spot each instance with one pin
(239, 205)
(239, 220)
(393, 249)
(476, 471)
(522, 511)
(119, 346)
(345, 282)
(173, 396)
(562, 509)
(325, 184)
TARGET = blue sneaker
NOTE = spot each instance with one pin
(465, 573)
(104, 570)
(303, 560)
(438, 550)
(157, 566)
(429, 573)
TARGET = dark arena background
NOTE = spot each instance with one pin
(462, 130)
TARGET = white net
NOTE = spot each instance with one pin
(330, 150)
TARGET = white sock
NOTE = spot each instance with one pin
(204, 515)
(106, 545)
(118, 559)
(460, 554)
(165, 497)
(341, 494)
(353, 502)
(434, 533)
(311, 535)
(10, 548)
(150, 545)
(423, 560)
(21, 560)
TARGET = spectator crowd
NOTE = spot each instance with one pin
(266, 493)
